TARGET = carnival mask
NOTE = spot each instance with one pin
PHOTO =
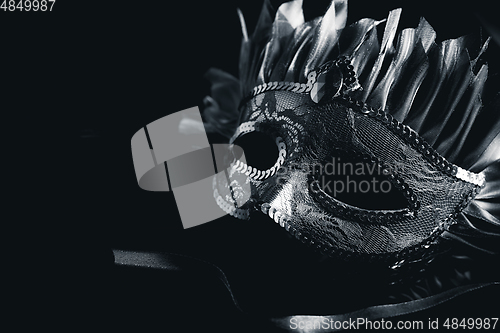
(350, 117)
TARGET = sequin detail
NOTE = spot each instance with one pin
(414, 140)
(256, 174)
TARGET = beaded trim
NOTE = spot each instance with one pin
(257, 174)
(244, 128)
(394, 260)
(349, 212)
(254, 173)
(413, 139)
(242, 214)
(349, 80)
(470, 177)
(291, 134)
(282, 219)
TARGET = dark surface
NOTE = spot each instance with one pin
(129, 66)
(114, 68)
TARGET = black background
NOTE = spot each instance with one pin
(114, 67)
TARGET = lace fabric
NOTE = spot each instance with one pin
(413, 111)
(333, 125)
(414, 84)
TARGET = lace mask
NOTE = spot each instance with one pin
(399, 113)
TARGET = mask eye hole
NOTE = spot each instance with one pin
(359, 183)
(261, 151)
(265, 154)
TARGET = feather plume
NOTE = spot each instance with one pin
(378, 98)
(221, 110)
(288, 17)
(326, 34)
(251, 53)
(286, 62)
(388, 37)
(435, 88)
(402, 96)
(456, 131)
